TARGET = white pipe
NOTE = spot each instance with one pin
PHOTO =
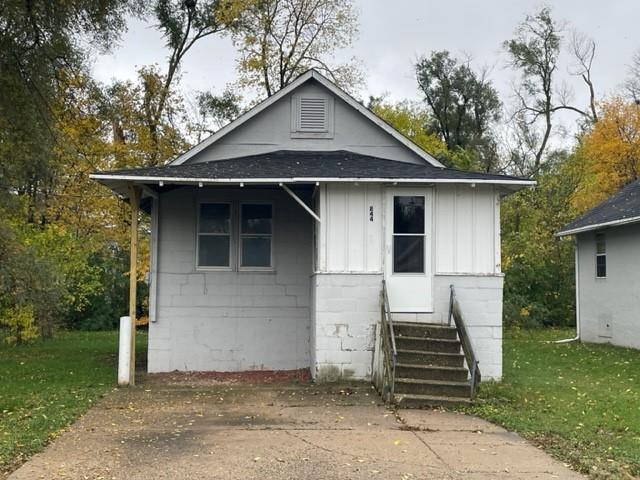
(124, 351)
(577, 268)
(302, 204)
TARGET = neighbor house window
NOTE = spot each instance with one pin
(214, 235)
(601, 255)
(255, 235)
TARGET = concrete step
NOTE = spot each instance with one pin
(427, 401)
(420, 357)
(425, 344)
(431, 372)
(428, 330)
(438, 388)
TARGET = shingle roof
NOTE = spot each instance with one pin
(621, 208)
(286, 165)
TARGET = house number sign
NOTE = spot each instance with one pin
(371, 213)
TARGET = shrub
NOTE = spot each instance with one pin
(20, 322)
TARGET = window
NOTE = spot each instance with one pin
(408, 234)
(214, 235)
(232, 238)
(255, 235)
(601, 256)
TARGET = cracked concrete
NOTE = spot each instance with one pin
(204, 429)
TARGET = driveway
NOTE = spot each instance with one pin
(184, 428)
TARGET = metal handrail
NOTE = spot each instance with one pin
(455, 313)
(388, 344)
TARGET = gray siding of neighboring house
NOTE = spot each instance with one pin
(610, 307)
(231, 321)
(270, 130)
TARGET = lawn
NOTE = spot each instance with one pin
(48, 384)
(580, 402)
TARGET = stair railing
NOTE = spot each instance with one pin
(455, 314)
(390, 353)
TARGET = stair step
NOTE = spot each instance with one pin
(426, 358)
(424, 401)
(428, 330)
(426, 344)
(431, 372)
(433, 387)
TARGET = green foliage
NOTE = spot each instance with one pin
(578, 402)
(463, 106)
(47, 385)
(20, 322)
(538, 266)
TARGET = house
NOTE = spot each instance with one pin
(271, 240)
(608, 269)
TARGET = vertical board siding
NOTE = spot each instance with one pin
(354, 242)
(466, 229)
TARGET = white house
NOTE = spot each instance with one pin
(271, 240)
(608, 269)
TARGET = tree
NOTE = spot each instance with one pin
(535, 51)
(463, 105)
(632, 84)
(212, 112)
(280, 39)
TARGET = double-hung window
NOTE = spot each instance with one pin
(235, 237)
(601, 256)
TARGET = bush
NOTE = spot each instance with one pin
(20, 322)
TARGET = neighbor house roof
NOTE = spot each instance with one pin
(329, 85)
(289, 166)
(620, 209)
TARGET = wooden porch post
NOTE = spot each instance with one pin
(134, 201)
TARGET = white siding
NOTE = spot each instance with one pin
(466, 229)
(352, 238)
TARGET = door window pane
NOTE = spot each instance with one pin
(408, 214)
(215, 218)
(256, 252)
(256, 219)
(213, 251)
(408, 254)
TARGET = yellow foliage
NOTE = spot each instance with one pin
(20, 321)
(609, 156)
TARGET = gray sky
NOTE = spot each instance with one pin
(394, 33)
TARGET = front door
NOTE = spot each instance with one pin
(407, 268)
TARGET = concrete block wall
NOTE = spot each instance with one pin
(346, 311)
(229, 320)
(480, 299)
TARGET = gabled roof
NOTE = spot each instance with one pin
(329, 85)
(289, 166)
(620, 209)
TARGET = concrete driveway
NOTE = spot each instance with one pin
(177, 428)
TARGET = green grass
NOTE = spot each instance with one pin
(48, 384)
(580, 402)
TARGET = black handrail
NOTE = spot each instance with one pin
(472, 361)
(388, 345)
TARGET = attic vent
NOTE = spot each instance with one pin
(312, 116)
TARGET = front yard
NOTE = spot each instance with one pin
(580, 402)
(47, 385)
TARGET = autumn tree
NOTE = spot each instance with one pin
(280, 39)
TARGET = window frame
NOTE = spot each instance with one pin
(241, 235)
(598, 255)
(235, 237)
(422, 235)
(230, 235)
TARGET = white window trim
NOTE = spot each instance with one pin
(230, 235)
(606, 270)
(295, 109)
(240, 236)
(235, 236)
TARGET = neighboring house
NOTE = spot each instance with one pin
(271, 240)
(608, 269)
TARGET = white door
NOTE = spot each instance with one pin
(407, 268)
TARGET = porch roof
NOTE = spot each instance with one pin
(288, 166)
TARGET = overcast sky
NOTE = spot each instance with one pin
(394, 33)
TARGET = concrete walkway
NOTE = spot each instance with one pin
(177, 429)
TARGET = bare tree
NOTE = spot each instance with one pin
(632, 84)
(583, 49)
